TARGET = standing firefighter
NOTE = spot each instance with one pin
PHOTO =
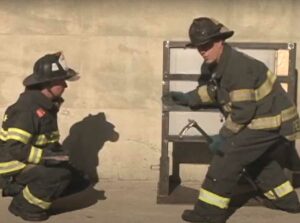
(260, 118)
(33, 165)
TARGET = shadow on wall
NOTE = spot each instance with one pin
(84, 142)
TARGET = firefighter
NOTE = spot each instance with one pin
(260, 118)
(33, 166)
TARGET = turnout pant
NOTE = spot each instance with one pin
(251, 150)
(42, 184)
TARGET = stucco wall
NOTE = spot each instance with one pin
(116, 45)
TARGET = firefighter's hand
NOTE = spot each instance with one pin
(215, 146)
(176, 97)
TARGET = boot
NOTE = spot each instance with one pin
(289, 203)
(193, 216)
(204, 213)
(28, 212)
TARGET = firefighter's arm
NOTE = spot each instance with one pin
(17, 130)
(202, 95)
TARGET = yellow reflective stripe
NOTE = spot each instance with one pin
(265, 122)
(242, 95)
(41, 140)
(266, 87)
(293, 136)
(270, 195)
(15, 134)
(275, 121)
(44, 139)
(289, 113)
(11, 166)
(280, 191)
(34, 200)
(227, 107)
(3, 134)
(257, 94)
(4, 118)
(231, 125)
(24, 137)
(204, 96)
(213, 199)
(35, 155)
(19, 134)
(270, 122)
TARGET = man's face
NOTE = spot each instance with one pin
(211, 51)
(58, 87)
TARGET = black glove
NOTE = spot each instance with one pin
(176, 97)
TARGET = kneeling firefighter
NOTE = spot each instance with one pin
(33, 165)
(260, 118)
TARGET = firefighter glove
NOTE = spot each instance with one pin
(176, 97)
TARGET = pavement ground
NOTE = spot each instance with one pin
(135, 202)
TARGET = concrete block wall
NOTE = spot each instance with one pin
(116, 45)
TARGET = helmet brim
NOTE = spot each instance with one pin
(33, 79)
(201, 42)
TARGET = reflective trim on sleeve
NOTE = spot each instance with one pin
(15, 134)
(279, 191)
(254, 94)
(266, 87)
(232, 126)
(24, 137)
(213, 199)
(35, 155)
(44, 139)
(34, 200)
(11, 166)
(204, 96)
(289, 113)
(3, 134)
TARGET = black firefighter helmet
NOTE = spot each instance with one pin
(49, 68)
(204, 30)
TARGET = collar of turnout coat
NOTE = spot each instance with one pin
(37, 97)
